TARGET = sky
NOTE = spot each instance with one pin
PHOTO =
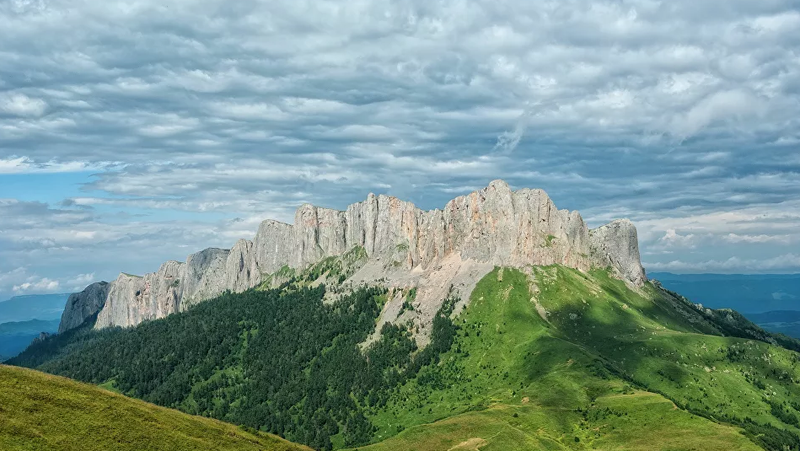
(141, 131)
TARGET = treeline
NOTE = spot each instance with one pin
(281, 361)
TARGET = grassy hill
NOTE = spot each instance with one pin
(43, 412)
(518, 379)
(545, 358)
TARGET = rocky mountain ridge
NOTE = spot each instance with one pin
(494, 226)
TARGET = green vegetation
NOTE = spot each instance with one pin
(280, 361)
(39, 411)
(583, 370)
(408, 302)
(337, 269)
(548, 240)
(551, 358)
(636, 421)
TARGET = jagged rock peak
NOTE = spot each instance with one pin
(491, 226)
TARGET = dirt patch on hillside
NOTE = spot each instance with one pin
(473, 444)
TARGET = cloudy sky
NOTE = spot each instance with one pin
(140, 131)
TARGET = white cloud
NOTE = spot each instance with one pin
(19, 104)
(681, 116)
(25, 165)
(43, 285)
(81, 281)
(779, 296)
(672, 239)
(781, 263)
(735, 238)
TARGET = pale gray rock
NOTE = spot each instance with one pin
(617, 245)
(205, 276)
(41, 337)
(81, 306)
(125, 303)
(241, 270)
(273, 246)
(491, 226)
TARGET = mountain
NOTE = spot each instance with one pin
(401, 243)
(540, 358)
(41, 411)
(16, 336)
(83, 305)
(35, 306)
(750, 293)
(785, 322)
(499, 322)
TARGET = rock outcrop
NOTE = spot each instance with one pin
(491, 226)
(81, 306)
(616, 245)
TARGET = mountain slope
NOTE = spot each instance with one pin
(507, 359)
(632, 421)
(584, 361)
(40, 411)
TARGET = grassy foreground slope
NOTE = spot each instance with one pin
(558, 359)
(43, 412)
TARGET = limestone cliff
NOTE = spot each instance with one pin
(81, 306)
(491, 226)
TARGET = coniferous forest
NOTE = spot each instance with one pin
(281, 361)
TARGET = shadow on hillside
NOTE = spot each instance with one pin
(661, 343)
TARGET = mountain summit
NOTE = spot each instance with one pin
(392, 241)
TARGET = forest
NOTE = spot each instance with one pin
(280, 361)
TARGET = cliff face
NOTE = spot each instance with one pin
(492, 226)
(80, 306)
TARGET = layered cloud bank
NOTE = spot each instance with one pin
(187, 123)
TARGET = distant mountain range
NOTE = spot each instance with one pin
(23, 318)
(750, 293)
(770, 300)
(35, 306)
(16, 336)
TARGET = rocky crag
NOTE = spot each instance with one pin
(436, 251)
(83, 305)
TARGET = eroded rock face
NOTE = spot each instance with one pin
(81, 306)
(617, 245)
(491, 226)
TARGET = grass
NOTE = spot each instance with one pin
(656, 344)
(39, 411)
(637, 421)
(515, 381)
(549, 358)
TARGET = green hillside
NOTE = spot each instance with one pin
(43, 412)
(546, 358)
(514, 380)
